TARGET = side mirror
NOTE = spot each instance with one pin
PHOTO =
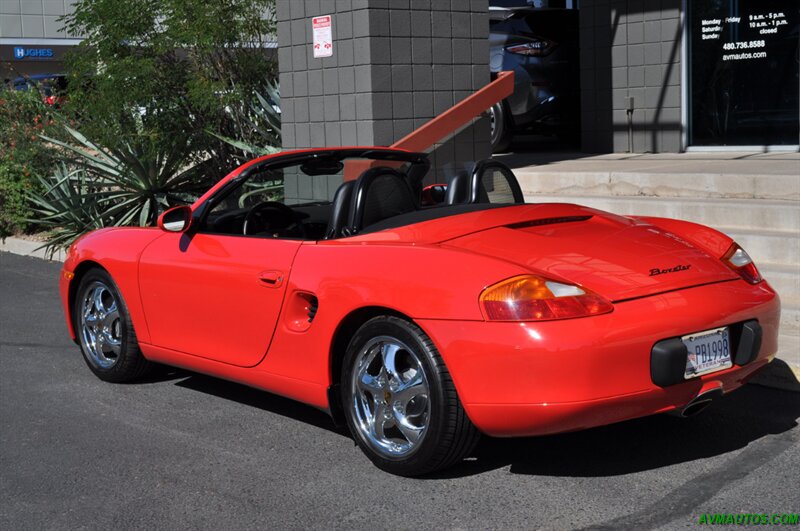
(176, 219)
(434, 194)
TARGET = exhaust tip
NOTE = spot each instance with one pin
(695, 408)
(699, 403)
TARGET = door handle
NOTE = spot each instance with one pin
(271, 279)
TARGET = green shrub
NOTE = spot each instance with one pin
(15, 185)
(24, 156)
(182, 65)
(156, 90)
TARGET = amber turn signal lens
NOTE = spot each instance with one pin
(534, 298)
(737, 259)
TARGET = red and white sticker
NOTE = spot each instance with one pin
(323, 36)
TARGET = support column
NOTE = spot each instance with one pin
(630, 64)
(395, 65)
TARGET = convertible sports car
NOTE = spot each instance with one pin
(424, 316)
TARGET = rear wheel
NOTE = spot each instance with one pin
(104, 330)
(400, 402)
(500, 130)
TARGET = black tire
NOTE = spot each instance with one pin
(501, 130)
(108, 344)
(448, 435)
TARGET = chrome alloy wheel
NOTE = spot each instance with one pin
(390, 397)
(101, 326)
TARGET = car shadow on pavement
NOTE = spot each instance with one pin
(263, 400)
(158, 374)
(637, 445)
(648, 443)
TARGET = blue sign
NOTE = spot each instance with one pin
(32, 53)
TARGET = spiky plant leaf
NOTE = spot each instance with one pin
(128, 183)
(258, 120)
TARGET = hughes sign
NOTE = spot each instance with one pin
(33, 53)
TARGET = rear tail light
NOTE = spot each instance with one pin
(534, 298)
(535, 48)
(737, 259)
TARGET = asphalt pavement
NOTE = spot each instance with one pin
(186, 451)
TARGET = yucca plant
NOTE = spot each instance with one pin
(258, 120)
(129, 183)
(69, 205)
(140, 176)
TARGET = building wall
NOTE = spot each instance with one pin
(33, 19)
(396, 65)
(631, 48)
(33, 24)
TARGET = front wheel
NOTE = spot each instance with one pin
(104, 330)
(399, 400)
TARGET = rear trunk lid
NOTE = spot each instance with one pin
(616, 257)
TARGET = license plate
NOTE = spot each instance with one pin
(707, 351)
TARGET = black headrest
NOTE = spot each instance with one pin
(457, 189)
(340, 209)
(493, 176)
(380, 193)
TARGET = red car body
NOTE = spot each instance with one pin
(235, 307)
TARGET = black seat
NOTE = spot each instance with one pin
(379, 193)
(340, 210)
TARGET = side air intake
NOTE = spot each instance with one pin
(313, 306)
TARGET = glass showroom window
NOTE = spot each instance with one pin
(743, 72)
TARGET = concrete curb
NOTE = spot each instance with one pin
(28, 248)
(779, 374)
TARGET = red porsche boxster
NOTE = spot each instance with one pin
(422, 316)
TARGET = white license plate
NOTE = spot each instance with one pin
(707, 351)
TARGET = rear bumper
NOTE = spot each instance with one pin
(520, 379)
